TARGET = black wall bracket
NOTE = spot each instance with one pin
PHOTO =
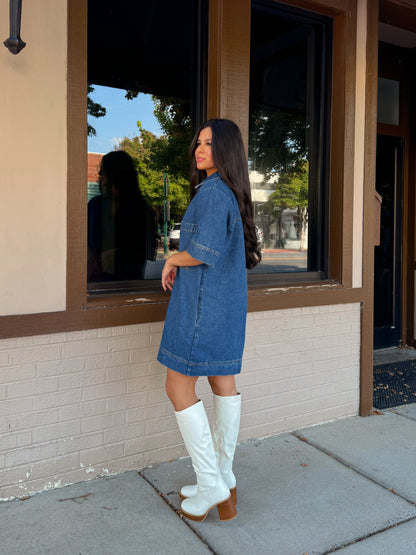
(14, 43)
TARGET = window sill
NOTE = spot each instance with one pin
(304, 287)
(128, 294)
(266, 287)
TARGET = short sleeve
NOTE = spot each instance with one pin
(212, 216)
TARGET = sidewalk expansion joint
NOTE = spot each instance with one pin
(350, 466)
(178, 513)
(412, 418)
(365, 537)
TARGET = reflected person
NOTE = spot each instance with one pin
(119, 223)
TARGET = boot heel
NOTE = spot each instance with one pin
(227, 509)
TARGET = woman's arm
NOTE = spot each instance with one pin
(171, 267)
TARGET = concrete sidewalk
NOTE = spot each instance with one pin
(348, 485)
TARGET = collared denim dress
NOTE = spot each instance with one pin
(204, 330)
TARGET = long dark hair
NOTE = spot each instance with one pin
(230, 160)
(121, 172)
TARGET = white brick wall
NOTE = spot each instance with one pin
(83, 404)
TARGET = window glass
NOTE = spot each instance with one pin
(287, 136)
(388, 101)
(145, 89)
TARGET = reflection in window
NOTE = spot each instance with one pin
(143, 106)
(287, 136)
(388, 101)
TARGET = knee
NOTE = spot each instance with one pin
(222, 385)
(180, 397)
(180, 390)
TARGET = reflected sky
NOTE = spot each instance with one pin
(121, 118)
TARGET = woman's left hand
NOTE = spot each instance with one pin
(168, 275)
(172, 264)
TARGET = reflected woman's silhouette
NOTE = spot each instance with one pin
(119, 223)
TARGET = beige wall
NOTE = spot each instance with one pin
(33, 161)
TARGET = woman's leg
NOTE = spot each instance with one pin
(193, 423)
(223, 385)
(181, 390)
(225, 427)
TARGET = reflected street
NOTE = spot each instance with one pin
(280, 260)
(273, 261)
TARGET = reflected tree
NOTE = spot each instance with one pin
(278, 148)
(277, 141)
(153, 155)
(95, 110)
(291, 192)
(144, 149)
(168, 153)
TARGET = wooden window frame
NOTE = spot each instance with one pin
(228, 96)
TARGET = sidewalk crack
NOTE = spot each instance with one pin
(412, 418)
(351, 466)
(178, 512)
(370, 535)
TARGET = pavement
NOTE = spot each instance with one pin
(348, 485)
(393, 354)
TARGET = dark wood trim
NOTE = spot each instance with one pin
(324, 7)
(57, 322)
(214, 59)
(398, 13)
(315, 295)
(342, 151)
(229, 62)
(275, 298)
(337, 148)
(391, 130)
(367, 318)
(349, 59)
(77, 171)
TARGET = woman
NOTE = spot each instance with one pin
(205, 325)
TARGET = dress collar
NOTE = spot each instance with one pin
(212, 176)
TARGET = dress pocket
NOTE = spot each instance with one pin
(187, 232)
(188, 227)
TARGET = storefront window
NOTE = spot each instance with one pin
(289, 100)
(146, 76)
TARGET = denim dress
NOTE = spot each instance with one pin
(205, 324)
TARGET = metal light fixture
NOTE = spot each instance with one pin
(14, 43)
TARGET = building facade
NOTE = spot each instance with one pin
(81, 392)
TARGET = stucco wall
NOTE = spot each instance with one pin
(33, 161)
(83, 404)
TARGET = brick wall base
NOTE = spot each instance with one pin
(78, 405)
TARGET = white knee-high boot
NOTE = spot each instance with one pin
(226, 425)
(211, 488)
